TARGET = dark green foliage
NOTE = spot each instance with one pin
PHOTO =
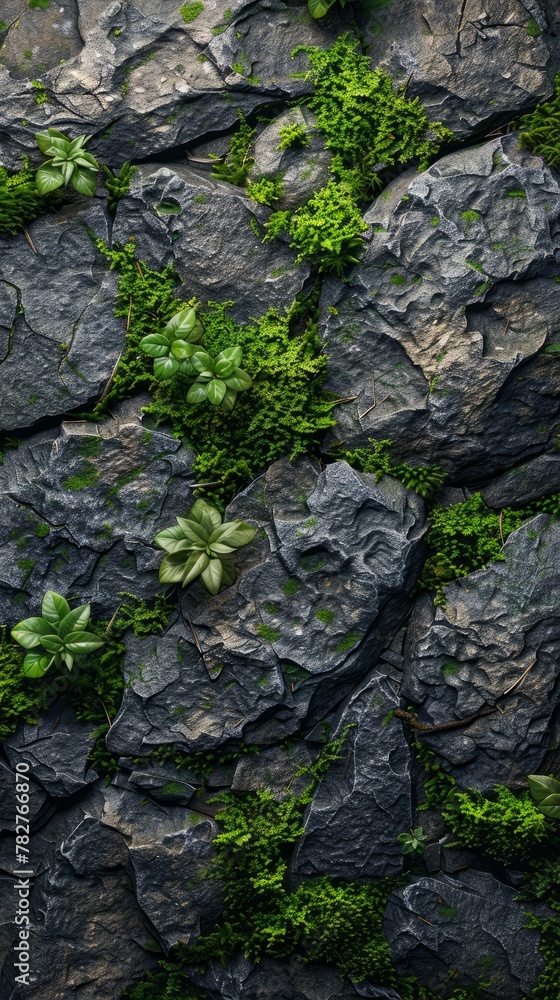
(542, 884)
(20, 201)
(238, 161)
(467, 536)
(364, 121)
(20, 697)
(424, 479)
(167, 983)
(143, 617)
(540, 130)
(438, 784)
(200, 762)
(96, 684)
(504, 826)
(117, 184)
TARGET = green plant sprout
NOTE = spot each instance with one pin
(173, 348)
(67, 163)
(61, 633)
(545, 792)
(292, 135)
(413, 841)
(117, 184)
(200, 545)
(219, 379)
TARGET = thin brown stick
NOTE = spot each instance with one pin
(112, 622)
(423, 919)
(113, 373)
(347, 764)
(365, 413)
(516, 683)
(129, 313)
(507, 327)
(346, 399)
(139, 268)
(55, 723)
(198, 486)
(195, 637)
(236, 724)
(29, 240)
(107, 714)
(502, 527)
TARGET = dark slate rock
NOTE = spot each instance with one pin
(524, 483)
(58, 305)
(8, 801)
(473, 66)
(320, 591)
(454, 312)
(181, 216)
(56, 749)
(303, 169)
(275, 768)
(469, 923)
(240, 979)
(462, 659)
(81, 508)
(364, 800)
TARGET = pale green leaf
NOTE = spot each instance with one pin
(30, 632)
(211, 577)
(54, 607)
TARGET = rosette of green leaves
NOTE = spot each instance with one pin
(56, 637)
(67, 163)
(173, 348)
(318, 8)
(200, 545)
(545, 792)
(413, 841)
(219, 379)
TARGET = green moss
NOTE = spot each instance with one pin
(266, 190)
(291, 587)
(293, 135)
(268, 633)
(39, 4)
(190, 11)
(20, 202)
(435, 220)
(143, 617)
(118, 185)
(20, 697)
(504, 826)
(423, 479)
(326, 616)
(540, 130)
(398, 279)
(238, 161)
(516, 193)
(90, 446)
(82, 480)
(474, 264)
(42, 530)
(122, 481)
(26, 566)
(41, 96)
(533, 29)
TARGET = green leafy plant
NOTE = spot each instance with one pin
(20, 201)
(118, 185)
(173, 348)
(293, 135)
(60, 632)
(540, 129)
(200, 545)
(219, 379)
(237, 162)
(423, 479)
(504, 826)
(545, 792)
(19, 699)
(67, 163)
(415, 840)
(266, 190)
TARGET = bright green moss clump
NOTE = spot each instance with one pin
(20, 202)
(504, 826)
(190, 11)
(424, 479)
(540, 130)
(20, 697)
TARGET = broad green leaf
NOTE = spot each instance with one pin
(195, 565)
(86, 160)
(193, 530)
(228, 402)
(36, 664)
(186, 368)
(318, 8)
(82, 642)
(231, 354)
(84, 181)
(239, 380)
(202, 509)
(541, 786)
(223, 368)
(165, 368)
(76, 619)
(68, 169)
(52, 643)
(54, 607)
(156, 345)
(67, 658)
(181, 324)
(30, 632)
(234, 534)
(77, 144)
(182, 350)
(48, 179)
(44, 140)
(216, 391)
(172, 539)
(197, 393)
(61, 144)
(172, 569)
(211, 577)
(229, 572)
(203, 363)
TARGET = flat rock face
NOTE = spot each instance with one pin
(314, 601)
(59, 337)
(366, 792)
(303, 169)
(455, 309)
(207, 230)
(473, 64)
(55, 749)
(81, 508)
(470, 923)
(462, 659)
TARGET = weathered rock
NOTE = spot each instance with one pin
(81, 508)
(56, 749)
(469, 923)
(59, 339)
(303, 169)
(454, 307)
(462, 659)
(524, 483)
(473, 65)
(203, 227)
(8, 801)
(314, 604)
(367, 794)
(275, 769)
(162, 782)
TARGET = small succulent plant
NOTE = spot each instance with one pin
(200, 545)
(414, 840)
(219, 379)
(67, 163)
(60, 633)
(545, 792)
(173, 348)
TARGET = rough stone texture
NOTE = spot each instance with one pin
(59, 337)
(524, 483)
(455, 313)
(269, 660)
(103, 491)
(473, 64)
(367, 792)
(474, 926)
(303, 169)
(8, 802)
(55, 749)
(162, 782)
(203, 227)
(462, 658)
(275, 768)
